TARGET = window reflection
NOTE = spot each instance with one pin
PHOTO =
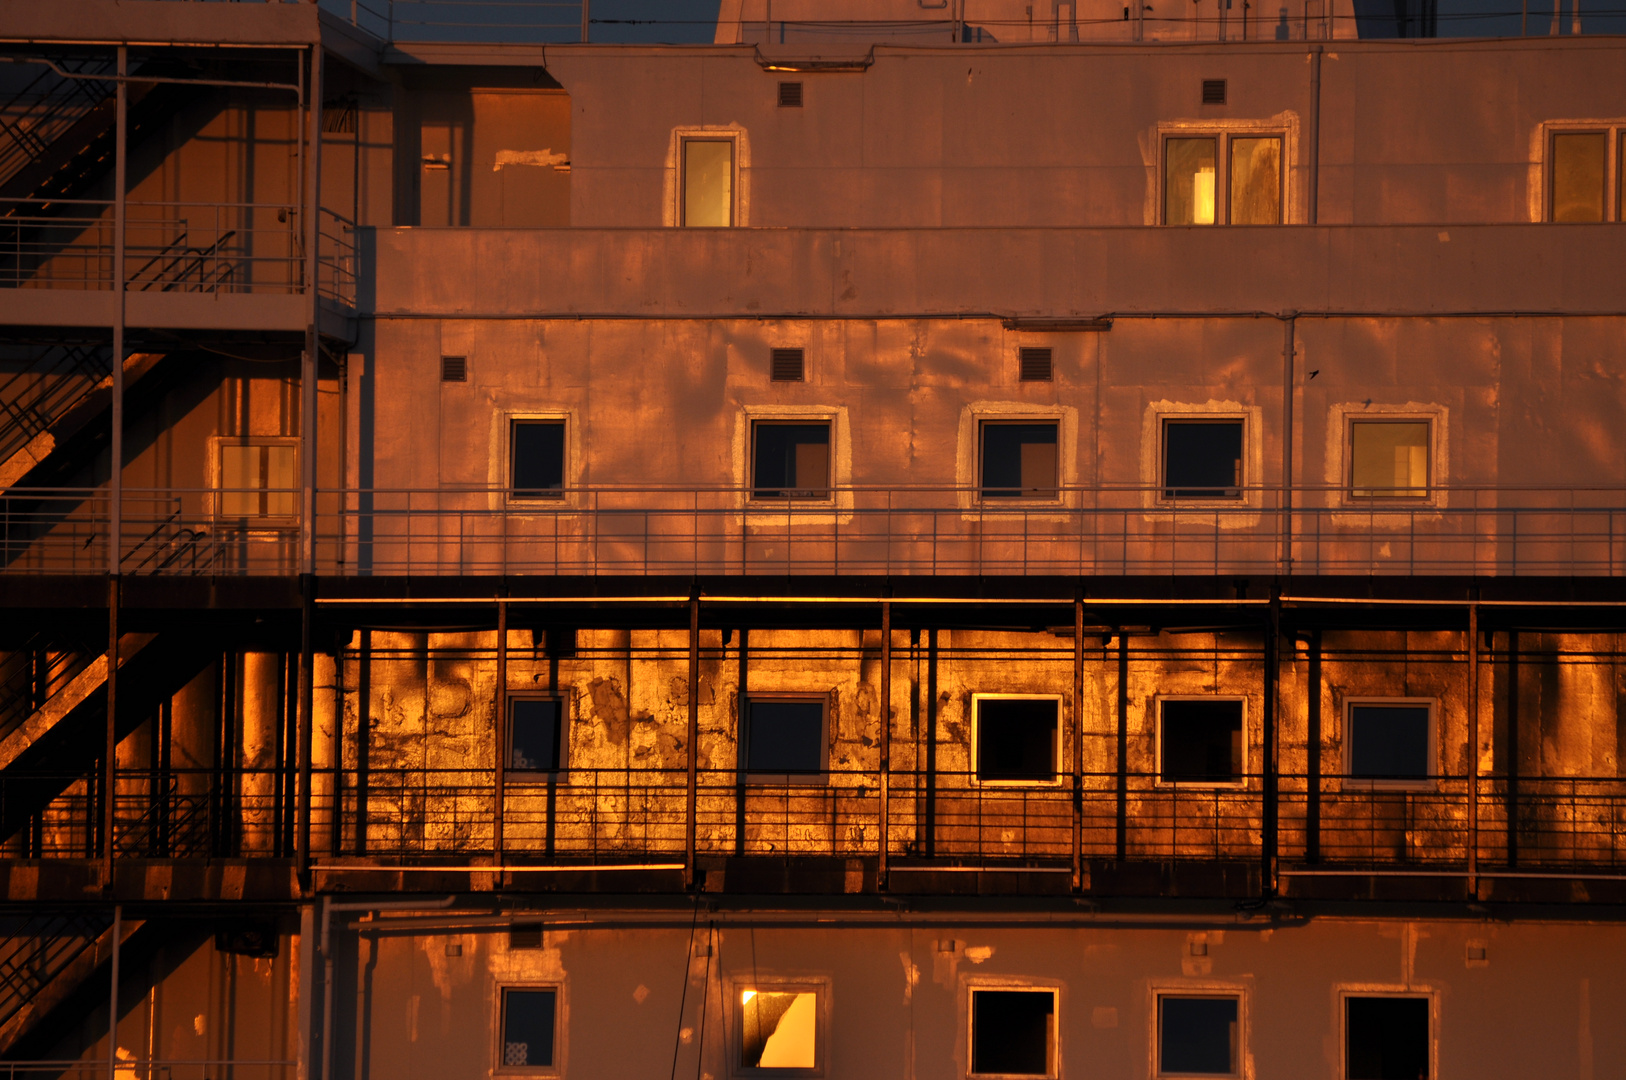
(1188, 184)
(1256, 181)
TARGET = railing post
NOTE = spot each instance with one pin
(1473, 751)
(694, 736)
(886, 739)
(930, 847)
(1078, 740)
(1512, 749)
(1312, 749)
(1272, 711)
(500, 771)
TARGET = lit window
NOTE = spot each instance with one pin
(708, 183)
(783, 737)
(259, 480)
(1196, 191)
(536, 734)
(1013, 1032)
(1391, 741)
(1386, 1038)
(1200, 742)
(778, 1029)
(1019, 460)
(1014, 739)
(1578, 168)
(528, 1018)
(1202, 459)
(538, 459)
(1197, 1035)
(790, 460)
(1388, 459)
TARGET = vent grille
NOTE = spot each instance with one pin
(788, 366)
(525, 936)
(1036, 365)
(454, 369)
(1213, 91)
(790, 95)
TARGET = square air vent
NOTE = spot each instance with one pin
(525, 936)
(787, 365)
(454, 369)
(1213, 91)
(790, 95)
(1036, 365)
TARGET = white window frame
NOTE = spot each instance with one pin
(759, 513)
(1382, 513)
(1240, 513)
(1240, 784)
(1359, 783)
(559, 1014)
(1283, 125)
(672, 214)
(1345, 991)
(774, 779)
(776, 984)
(1614, 132)
(1020, 986)
(500, 471)
(968, 460)
(1351, 423)
(1059, 773)
(1242, 1067)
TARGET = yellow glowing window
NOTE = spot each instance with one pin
(1578, 175)
(1389, 459)
(259, 480)
(1188, 181)
(1256, 181)
(779, 1029)
(708, 182)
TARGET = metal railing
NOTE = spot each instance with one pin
(923, 529)
(134, 1068)
(170, 246)
(583, 816)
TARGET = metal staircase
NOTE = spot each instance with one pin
(43, 959)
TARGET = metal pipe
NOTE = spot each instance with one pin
(886, 740)
(500, 775)
(1473, 751)
(115, 474)
(1312, 750)
(585, 21)
(113, 992)
(1271, 725)
(1078, 741)
(1122, 848)
(1313, 141)
(694, 739)
(1289, 347)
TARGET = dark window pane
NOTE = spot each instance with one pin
(1016, 739)
(1386, 1038)
(784, 736)
(534, 734)
(1197, 1035)
(1389, 742)
(791, 461)
(1202, 741)
(1019, 461)
(1011, 1031)
(1202, 459)
(527, 1027)
(539, 459)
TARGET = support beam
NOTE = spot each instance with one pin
(1270, 794)
(931, 744)
(1121, 849)
(1473, 751)
(115, 478)
(1077, 729)
(307, 724)
(110, 748)
(694, 738)
(1289, 347)
(113, 990)
(886, 741)
(1512, 749)
(500, 772)
(364, 736)
(1312, 752)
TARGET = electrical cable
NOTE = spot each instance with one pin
(705, 995)
(683, 998)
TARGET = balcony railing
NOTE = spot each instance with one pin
(583, 817)
(603, 530)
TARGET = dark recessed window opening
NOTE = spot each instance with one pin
(1201, 742)
(1213, 91)
(1013, 1032)
(1197, 1036)
(784, 736)
(1386, 1038)
(790, 461)
(538, 459)
(1016, 739)
(1019, 461)
(790, 95)
(787, 365)
(535, 734)
(527, 1028)
(1036, 365)
(779, 1029)
(525, 936)
(1202, 459)
(454, 369)
(1389, 742)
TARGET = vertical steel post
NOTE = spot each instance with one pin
(931, 743)
(1122, 847)
(1272, 711)
(694, 737)
(307, 470)
(1313, 141)
(1512, 749)
(364, 736)
(113, 990)
(1312, 751)
(1078, 742)
(1473, 751)
(886, 740)
(115, 468)
(585, 21)
(500, 751)
(1289, 346)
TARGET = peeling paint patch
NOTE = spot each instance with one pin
(641, 994)
(978, 953)
(544, 157)
(911, 976)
